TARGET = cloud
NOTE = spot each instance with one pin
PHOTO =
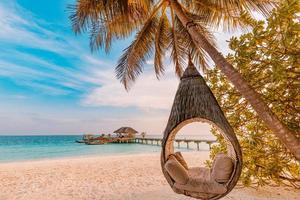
(146, 93)
(19, 28)
(48, 60)
(23, 119)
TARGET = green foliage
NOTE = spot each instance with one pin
(269, 59)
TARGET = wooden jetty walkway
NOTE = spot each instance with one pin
(158, 141)
(147, 141)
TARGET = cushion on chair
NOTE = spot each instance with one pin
(177, 172)
(222, 168)
(180, 158)
(202, 186)
(202, 172)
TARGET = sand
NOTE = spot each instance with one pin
(136, 177)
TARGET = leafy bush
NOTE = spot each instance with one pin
(268, 57)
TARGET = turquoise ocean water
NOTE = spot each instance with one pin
(21, 148)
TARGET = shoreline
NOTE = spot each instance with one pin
(79, 157)
(136, 149)
(90, 156)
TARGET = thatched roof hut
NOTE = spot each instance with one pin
(126, 131)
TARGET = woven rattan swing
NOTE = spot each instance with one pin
(194, 102)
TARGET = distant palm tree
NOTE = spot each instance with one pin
(181, 27)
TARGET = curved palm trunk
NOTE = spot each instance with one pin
(265, 113)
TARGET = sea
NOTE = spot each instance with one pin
(32, 147)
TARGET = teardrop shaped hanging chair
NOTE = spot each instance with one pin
(195, 102)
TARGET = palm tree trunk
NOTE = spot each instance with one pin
(289, 139)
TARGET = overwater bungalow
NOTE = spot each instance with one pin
(125, 134)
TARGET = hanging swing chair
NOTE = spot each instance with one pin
(194, 102)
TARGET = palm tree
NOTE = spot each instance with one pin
(181, 27)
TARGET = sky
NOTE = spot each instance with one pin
(51, 83)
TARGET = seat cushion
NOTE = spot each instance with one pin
(200, 195)
(180, 158)
(202, 186)
(177, 172)
(222, 168)
(199, 172)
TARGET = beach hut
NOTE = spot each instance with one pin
(194, 102)
(126, 132)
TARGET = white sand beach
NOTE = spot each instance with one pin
(136, 177)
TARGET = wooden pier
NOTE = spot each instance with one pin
(158, 142)
(148, 141)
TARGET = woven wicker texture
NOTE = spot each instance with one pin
(195, 102)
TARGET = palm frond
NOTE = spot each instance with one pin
(178, 53)
(139, 8)
(262, 6)
(98, 36)
(108, 19)
(198, 55)
(188, 4)
(226, 14)
(130, 65)
(161, 43)
(85, 12)
(102, 34)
